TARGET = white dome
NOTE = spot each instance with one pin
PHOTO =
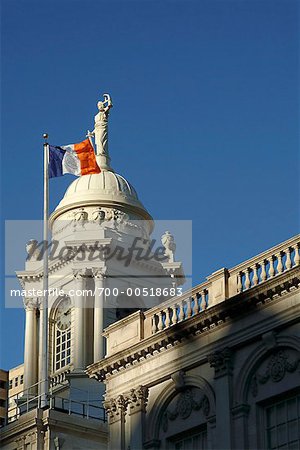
(106, 188)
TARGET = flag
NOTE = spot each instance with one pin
(77, 159)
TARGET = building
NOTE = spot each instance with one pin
(16, 387)
(215, 368)
(3, 396)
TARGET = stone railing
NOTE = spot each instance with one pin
(220, 286)
(264, 266)
(177, 309)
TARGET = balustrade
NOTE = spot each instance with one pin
(241, 278)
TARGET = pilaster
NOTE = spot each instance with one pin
(221, 361)
(99, 277)
(240, 416)
(116, 411)
(137, 402)
(79, 325)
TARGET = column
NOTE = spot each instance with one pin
(116, 411)
(99, 276)
(221, 361)
(78, 350)
(137, 401)
(30, 348)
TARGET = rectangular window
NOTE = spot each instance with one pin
(16, 381)
(21, 379)
(62, 349)
(283, 424)
(190, 440)
(10, 384)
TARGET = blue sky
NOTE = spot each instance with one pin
(205, 122)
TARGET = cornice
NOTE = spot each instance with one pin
(135, 209)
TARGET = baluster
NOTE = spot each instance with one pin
(160, 321)
(239, 282)
(174, 315)
(203, 300)
(263, 274)
(189, 308)
(288, 262)
(255, 275)
(181, 312)
(168, 319)
(196, 304)
(247, 278)
(279, 263)
(297, 257)
(271, 269)
(154, 324)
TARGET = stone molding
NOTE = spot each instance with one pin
(185, 405)
(31, 303)
(78, 274)
(278, 366)
(138, 399)
(116, 408)
(179, 380)
(240, 410)
(222, 362)
(99, 272)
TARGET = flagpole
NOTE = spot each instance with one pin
(43, 339)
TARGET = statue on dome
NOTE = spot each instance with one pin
(101, 131)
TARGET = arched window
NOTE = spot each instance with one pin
(62, 335)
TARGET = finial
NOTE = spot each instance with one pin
(45, 136)
(101, 132)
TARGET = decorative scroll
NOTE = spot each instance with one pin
(278, 366)
(187, 402)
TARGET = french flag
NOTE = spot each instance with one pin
(77, 159)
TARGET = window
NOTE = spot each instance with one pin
(16, 381)
(190, 440)
(21, 379)
(10, 384)
(2, 384)
(62, 348)
(62, 334)
(282, 424)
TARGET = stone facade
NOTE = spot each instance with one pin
(211, 370)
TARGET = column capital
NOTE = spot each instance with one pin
(116, 408)
(137, 399)
(99, 272)
(221, 361)
(78, 274)
(31, 303)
